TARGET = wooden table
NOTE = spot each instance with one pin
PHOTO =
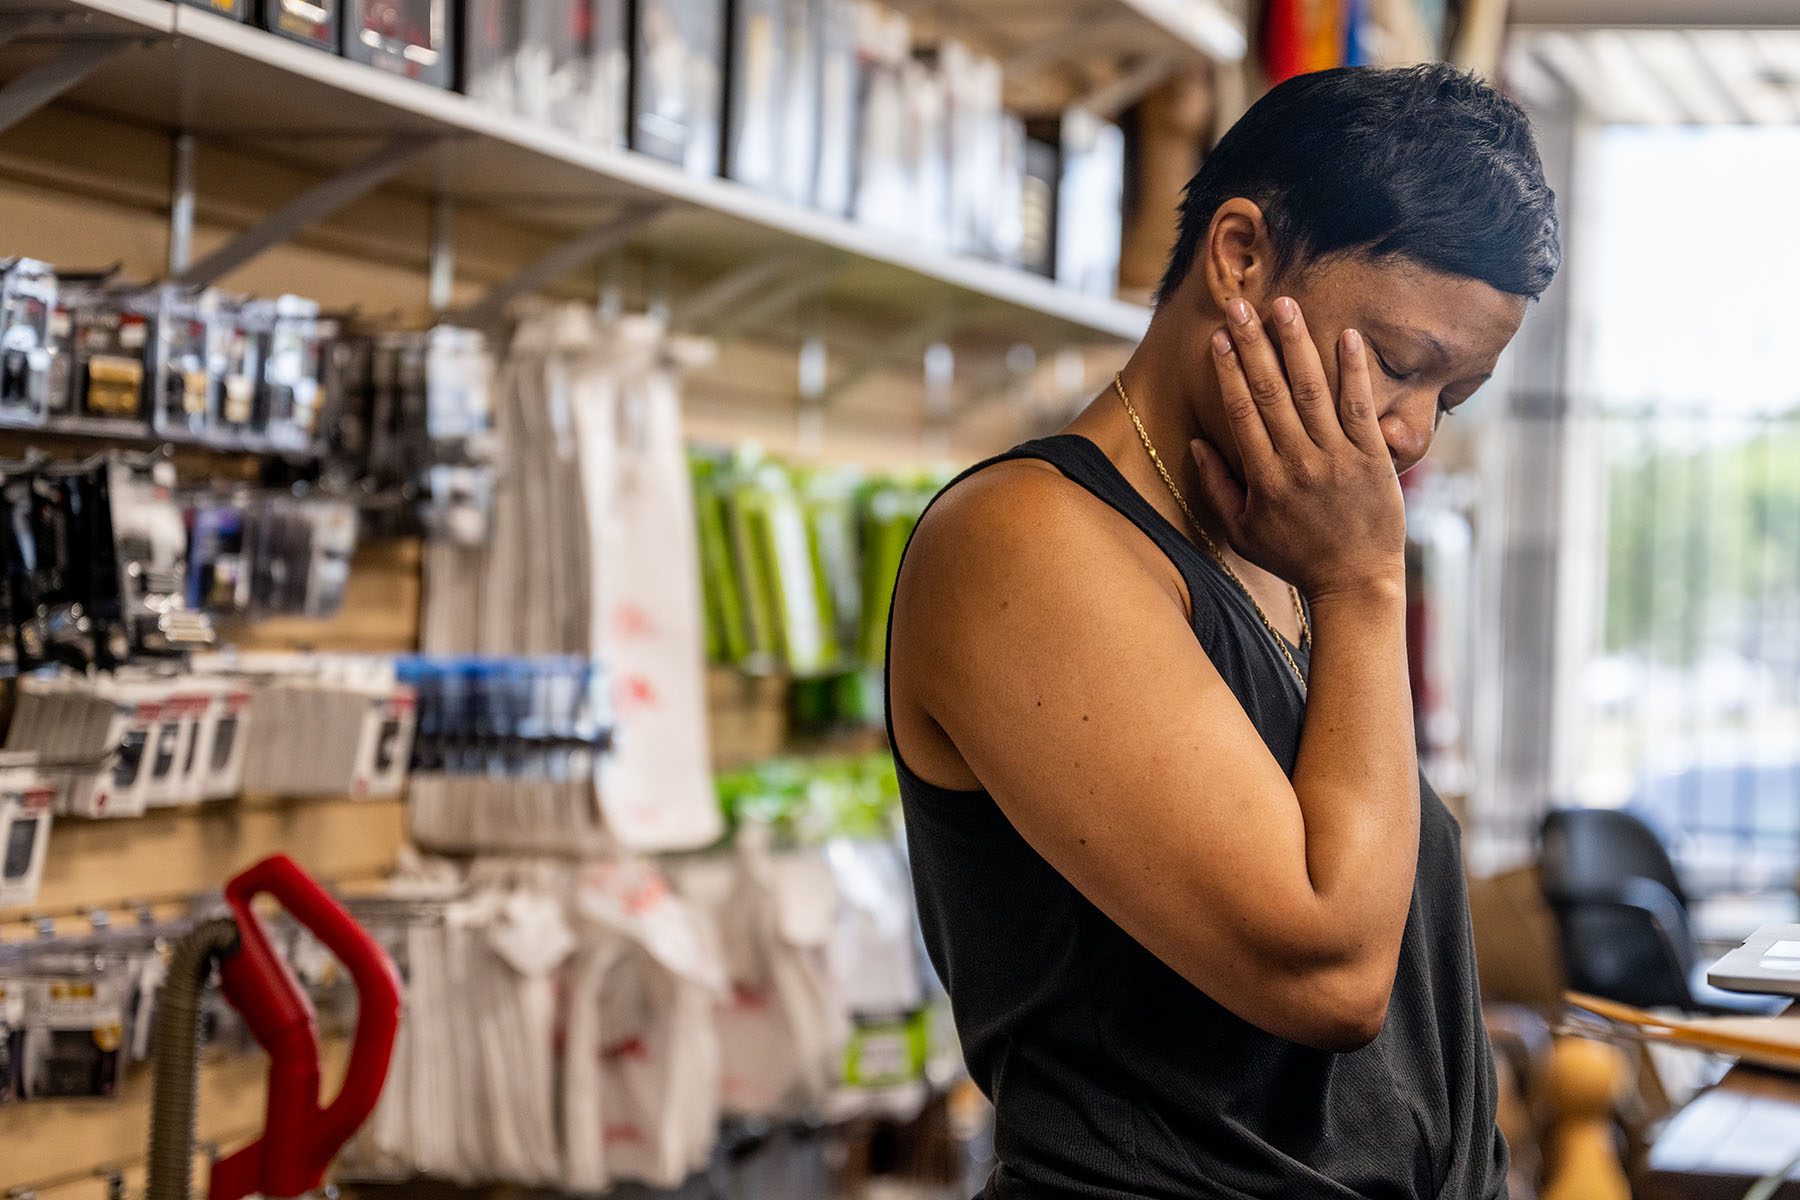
(1728, 1137)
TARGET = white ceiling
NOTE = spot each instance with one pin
(1686, 76)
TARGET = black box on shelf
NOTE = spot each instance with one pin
(677, 53)
(412, 38)
(237, 10)
(314, 22)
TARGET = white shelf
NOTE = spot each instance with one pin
(219, 79)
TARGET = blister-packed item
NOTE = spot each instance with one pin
(573, 67)
(314, 22)
(976, 133)
(186, 362)
(110, 338)
(412, 38)
(492, 32)
(151, 537)
(63, 579)
(289, 335)
(73, 1037)
(677, 56)
(25, 817)
(27, 302)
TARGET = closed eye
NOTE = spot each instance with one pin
(1388, 370)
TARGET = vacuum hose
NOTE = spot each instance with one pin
(176, 1057)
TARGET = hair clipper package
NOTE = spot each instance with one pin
(27, 302)
(677, 48)
(240, 354)
(315, 22)
(412, 38)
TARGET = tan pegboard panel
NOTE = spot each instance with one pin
(61, 1148)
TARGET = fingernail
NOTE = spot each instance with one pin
(1353, 341)
(1221, 343)
(1240, 312)
(1286, 310)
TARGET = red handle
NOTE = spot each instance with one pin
(300, 1138)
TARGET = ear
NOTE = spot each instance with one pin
(1237, 259)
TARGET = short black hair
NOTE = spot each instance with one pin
(1423, 163)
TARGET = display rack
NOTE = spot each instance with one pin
(188, 72)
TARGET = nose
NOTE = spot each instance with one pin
(1407, 424)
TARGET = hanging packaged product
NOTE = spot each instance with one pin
(641, 1071)
(338, 728)
(72, 1038)
(756, 78)
(64, 581)
(315, 22)
(240, 412)
(27, 300)
(890, 513)
(25, 815)
(412, 38)
(648, 625)
(288, 334)
(151, 539)
(677, 54)
(783, 1024)
(1088, 196)
(1037, 198)
(187, 360)
(110, 338)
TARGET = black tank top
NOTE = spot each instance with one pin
(1114, 1078)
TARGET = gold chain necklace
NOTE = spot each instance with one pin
(1212, 547)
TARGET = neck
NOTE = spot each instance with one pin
(1176, 396)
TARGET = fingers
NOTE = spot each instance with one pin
(1224, 495)
(1247, 428)
(1306, 375)
(1356, 395)
(1264, 377)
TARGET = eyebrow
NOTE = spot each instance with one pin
(1436, 346)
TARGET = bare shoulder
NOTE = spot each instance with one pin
(1022, 517)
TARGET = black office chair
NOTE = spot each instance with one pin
(1623, 916)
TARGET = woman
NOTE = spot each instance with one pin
(1202, 924)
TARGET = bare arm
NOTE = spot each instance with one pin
(1082, 702)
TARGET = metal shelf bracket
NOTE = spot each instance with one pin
(573, 254)
(314, 204)
(716, 298)
(51, 78)
(914, 339)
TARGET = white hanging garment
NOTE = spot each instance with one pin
(655, 787)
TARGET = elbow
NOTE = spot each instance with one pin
(1343, 1009)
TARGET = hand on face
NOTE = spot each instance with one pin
(1319, 502)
